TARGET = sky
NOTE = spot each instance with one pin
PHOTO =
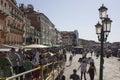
(81, 15)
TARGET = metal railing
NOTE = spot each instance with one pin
(56, 68)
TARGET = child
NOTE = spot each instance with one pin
(28, 66)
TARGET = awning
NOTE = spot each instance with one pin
(35, 46)
(4, 50)
(80, 46)
(55, 46)
(5, 47)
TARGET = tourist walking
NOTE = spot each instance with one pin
(90, 60)
(91, 71)
(37, 60)
(74, 76)
(70, 60)
(83, 67)
(28, 66)
(97, 53)
(22, 60)
(15, 59)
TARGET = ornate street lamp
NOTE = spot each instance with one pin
(102, 30)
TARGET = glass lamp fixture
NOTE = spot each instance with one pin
(98, 28)
(107, 24)
(102, 11)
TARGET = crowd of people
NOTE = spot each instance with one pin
(84, 62)
(15, 62)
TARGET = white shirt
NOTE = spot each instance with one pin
(91, 60)
(83, 67)
(37, 57)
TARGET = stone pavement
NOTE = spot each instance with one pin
(111, 67)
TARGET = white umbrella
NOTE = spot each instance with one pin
(6, 50)
(51, 54)
(36, 46)
(5, 47)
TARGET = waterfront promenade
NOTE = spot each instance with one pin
(111, 67)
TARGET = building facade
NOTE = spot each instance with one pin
(20, 25)
(34, 34)
(69, 38)
(58, 38)
(48, 31)
(45, 29)
(12, 22)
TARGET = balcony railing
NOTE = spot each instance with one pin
(17, 16)
(4, 10)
